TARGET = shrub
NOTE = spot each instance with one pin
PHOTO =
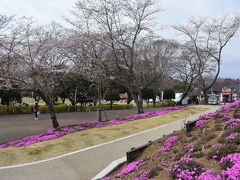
(197, 154)
(229, 132)
(70, 108)
(165, 104)
(179, 155)
(160, 104)
(233, 138)
(232, 173)
(15, 109)
(210, 174)
(230, 160)
(218, 127)
(154, 172)
(43, 109)
(231, 165)
(220, 151)
(171, 103)
(169, 94)
(209, 137)
(186, 168)
(58, 108)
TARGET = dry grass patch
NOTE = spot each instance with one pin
(90, 137)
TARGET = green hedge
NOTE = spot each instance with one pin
(107, 107)
(161, 104)
(15, 109)
(70, 108)
(58, 108)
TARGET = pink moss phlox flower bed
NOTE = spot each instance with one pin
(130, 167)
(182, 172)
(231, 123)
(191, 148)
(232, 136)
(187, 168)
(209, 175)
(232, 158)
(168, 143)
(207, 116)
(64, 130)
(200, 123)
(234, 171)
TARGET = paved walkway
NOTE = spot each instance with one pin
(85, 164)
(13, 127)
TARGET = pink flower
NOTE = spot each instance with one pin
(130, 167)
(209, 175)
(200, 123)
(168, 143)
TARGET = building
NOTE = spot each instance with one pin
(228, 95)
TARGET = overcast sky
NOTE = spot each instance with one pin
(176, 12)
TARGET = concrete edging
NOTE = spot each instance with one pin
(110, 168)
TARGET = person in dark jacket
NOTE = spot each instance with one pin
(35, 110)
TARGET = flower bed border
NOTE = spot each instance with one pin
(135, 152)
(190, 125)
(68, 129)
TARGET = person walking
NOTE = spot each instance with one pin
(35, 110)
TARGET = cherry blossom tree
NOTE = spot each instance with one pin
(118, 27)
(206, 38)
(33, 60)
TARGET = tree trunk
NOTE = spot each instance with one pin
(205, 89)
(72, 101)
(138, 100)
(139, 103)
(95, 101)
(129, 98)
(205, 97)
(111, 103)
(47, 99)
(63, 100)
(53, 116)
(140, 107)
(154, 102)
(180, 101)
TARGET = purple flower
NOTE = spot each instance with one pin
(168, 143)
(233, 172)
(200, 123)
(209, 175)
(130, 167)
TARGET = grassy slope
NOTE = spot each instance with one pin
(87, 138)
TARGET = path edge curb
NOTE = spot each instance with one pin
(110, 168)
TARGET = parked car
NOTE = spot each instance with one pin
(212, 100)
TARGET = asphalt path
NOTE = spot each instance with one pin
(13, 127)
(84, 164)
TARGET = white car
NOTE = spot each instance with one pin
(212, 100)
